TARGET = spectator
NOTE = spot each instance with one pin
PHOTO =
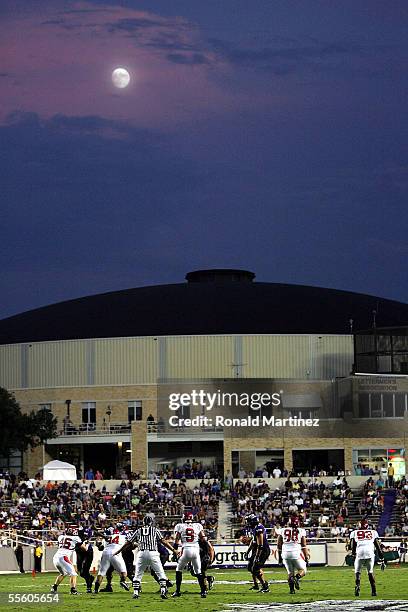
(277, 472)
(89, 474)
(150, 423)
(390, 475)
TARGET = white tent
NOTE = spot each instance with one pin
(59, 470)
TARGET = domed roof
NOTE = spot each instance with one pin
(211, 302)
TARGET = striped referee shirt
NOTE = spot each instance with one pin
(147, 538)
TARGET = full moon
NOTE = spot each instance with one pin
(120, 78)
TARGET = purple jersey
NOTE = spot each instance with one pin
(261, 529)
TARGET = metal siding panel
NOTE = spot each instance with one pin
(57, 364)
(276, 356)
(10, 366)
(195, 357)
(126, 361)
(334, 356)
(136, 360)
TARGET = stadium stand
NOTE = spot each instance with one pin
(40, 510)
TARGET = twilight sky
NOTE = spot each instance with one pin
(268, 135)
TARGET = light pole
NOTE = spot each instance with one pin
(108, 414)
(67, 418)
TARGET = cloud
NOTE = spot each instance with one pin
(187, 59)
(65, 65)
(310, 54)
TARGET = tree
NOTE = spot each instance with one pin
(20, 430)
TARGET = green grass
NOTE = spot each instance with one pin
(319, 584)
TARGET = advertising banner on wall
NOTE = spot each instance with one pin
(234, 555)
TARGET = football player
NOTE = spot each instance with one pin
(189, 535)
(258, 552)
(365, 542)
(293, 552)
(114, 540)
(207, 554)
(85, 557)
(63, 559)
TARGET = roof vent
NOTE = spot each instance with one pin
(220, 276)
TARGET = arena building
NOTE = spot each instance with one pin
(104, 364)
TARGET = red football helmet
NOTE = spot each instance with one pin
(294, 521)
(188, 517)
(364, 524)
(72, 530)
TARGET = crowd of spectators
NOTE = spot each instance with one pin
(41, 509)
(401, 526)
(269, 470)
(188, 470)
(325, 510)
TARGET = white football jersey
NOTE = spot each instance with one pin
(189, 533)
(364, 539)
(292, 538)
(68, 542)
(115, 541)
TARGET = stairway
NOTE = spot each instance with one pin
(387, 514)
(224, 520)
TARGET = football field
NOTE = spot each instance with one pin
(230, 593)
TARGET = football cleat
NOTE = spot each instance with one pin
(373, 593)
(107, 589)
(357, 591)
(254, 588)
(265, 589)
(176, 594)
(163, 593)
(135, 595)
(211, 581)
(296, 582)
(203, 594)
(74, 592)
(54, 588)
(124, 585)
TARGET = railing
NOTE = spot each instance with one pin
(92, 429)
(162, 427)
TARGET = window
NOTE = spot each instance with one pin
(89, 412)
(305, 413)
(364, 405)
(13, 464)
(135, 411)
(378, 455)
(382, 405)
(388, 404)
(44, 406)
(376, 408)
(400, 404)
(183, 412)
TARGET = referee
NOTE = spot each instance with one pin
(148, 539)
